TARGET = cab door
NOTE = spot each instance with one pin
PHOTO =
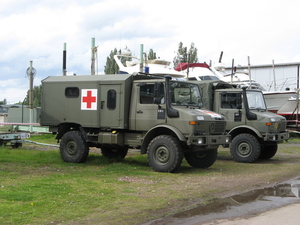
(229, 107)
(148, 113)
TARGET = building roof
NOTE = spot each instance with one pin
(267, 65)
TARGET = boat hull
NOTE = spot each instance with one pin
(275, 100)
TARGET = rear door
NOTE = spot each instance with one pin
(110, 106)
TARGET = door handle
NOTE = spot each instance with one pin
(102, 104)
(139, 111)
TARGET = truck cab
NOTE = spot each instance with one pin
(255, 131)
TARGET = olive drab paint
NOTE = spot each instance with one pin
(117, 112)
(255, 132)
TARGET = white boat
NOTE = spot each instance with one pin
(157, 67)
(201, 71)
(290, 109)
(196, 71)
(276, 99)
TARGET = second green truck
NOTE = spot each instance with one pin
(255, 132)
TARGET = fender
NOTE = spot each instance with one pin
(159, 130)
(246, 127)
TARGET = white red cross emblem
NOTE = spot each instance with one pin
(89, 99)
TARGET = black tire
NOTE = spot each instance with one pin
(165, 154)
(16, 145)
(203, 159)
(245, 148)
(73, 147)
(268, 151)
(116, 154)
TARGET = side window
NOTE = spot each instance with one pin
(147, 93)
(150, 91)
(72, 92)
(111, 99)
(229, 101)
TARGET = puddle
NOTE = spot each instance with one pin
(246, 204)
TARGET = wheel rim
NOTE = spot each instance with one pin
(162, 155)
(244, 149)
(200, 155)
(71, 148)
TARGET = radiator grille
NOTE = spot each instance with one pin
(211, 127)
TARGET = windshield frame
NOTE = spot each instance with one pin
(185, 94)
(256, 100)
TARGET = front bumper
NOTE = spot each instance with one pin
(277, 137)
(209, 140)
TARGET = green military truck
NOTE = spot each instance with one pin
(255, 132)
(159, 116)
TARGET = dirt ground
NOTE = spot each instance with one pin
(284, 213)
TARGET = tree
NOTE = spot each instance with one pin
(4, 102)
(37, 96)
(111, 66)
(151, 55)
(186, 56)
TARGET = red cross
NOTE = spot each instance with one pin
(89, 99)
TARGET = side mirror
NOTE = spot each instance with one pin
(157, 101)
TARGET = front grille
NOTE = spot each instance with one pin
(282, 126)
(211, 127)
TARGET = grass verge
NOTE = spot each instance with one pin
(37, 187)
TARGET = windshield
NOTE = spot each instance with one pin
(256, 100)
(185, 94)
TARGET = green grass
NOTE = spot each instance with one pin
(4, 128)
(44, 138)
(37, 187)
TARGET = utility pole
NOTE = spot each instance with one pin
(249, 71)
(141, 57)
(93, 57)
(65, 60)
(273, 65)
(31, 73)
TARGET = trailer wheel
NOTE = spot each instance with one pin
(114, 153)
(268, 151)
(203, 159)
(73, 147)
(165, 153)
(245, 148)
(16, 145)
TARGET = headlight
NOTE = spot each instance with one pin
(227, 139)
(201, 141)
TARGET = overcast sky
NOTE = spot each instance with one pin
(36, 30)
